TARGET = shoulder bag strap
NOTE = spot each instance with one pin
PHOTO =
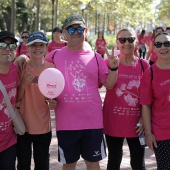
(97, 65)
(141, 64)
(7, 100)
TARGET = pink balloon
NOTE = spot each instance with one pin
(51, 83)
(116, 52)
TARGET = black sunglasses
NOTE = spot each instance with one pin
(72, 30)
(122, 40)
(11, 46)
(24, 37)
(159, 44)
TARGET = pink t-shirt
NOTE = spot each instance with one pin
(79, 106)
(54, 45)
(141, 40)
(7, 135)
(157, 93)
(153, 55)
(148, 39)
(121, 109)
(23, 50)
(101, 44)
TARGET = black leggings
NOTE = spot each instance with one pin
(115, 153)
(40, 144)
(8, 158)
(162, 154)
(142, 52)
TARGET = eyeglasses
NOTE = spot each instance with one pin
(72, 30)
(122, 40)
(11, 46)
(159, 44)
(26, 37)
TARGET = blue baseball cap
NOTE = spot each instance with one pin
(37, 36)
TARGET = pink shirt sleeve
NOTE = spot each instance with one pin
(146, 88)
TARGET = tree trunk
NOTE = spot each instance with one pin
(13, 16)
(56, 13)
(37, 25)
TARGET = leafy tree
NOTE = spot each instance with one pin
(108, 15)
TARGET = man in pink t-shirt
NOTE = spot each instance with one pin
(79, 120)
(8, 76)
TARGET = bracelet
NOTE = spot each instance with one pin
(146, 136)
(113, 69)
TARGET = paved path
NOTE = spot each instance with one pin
(125, 165)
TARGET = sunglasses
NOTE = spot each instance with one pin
(72, 30)
(24, 37)
(122, 40)
(11, 46)
(159, 44)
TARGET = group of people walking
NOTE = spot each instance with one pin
(135, 93)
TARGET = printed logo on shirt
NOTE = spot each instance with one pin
(124, 91)
(79, 79)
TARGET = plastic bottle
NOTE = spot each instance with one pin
(141, 137)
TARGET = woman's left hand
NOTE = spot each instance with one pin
(140, 130)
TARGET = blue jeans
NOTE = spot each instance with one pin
(8, 158)
(115, 153)
(41, 144)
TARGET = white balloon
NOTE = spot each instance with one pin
(51, 83)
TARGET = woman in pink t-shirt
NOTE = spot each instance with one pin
(22, 48)
(121, 109)
(100, 44)
(155, 100)
(141, 44)
(151, 55)
(57, 42)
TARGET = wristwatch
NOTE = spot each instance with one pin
(113, 69)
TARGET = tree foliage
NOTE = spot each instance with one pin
(163, 12)
(99, 14)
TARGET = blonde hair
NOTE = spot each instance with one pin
(127, 29)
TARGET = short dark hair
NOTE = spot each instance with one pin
(159, 28)
(57, 29)
(25, 32)
(167, 28)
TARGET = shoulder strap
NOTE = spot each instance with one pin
(53, 56)
(19, 48)
(141, 64)
(7, 100)
(97, 64)
(151, 69)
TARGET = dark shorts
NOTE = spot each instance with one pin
(89, 144)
